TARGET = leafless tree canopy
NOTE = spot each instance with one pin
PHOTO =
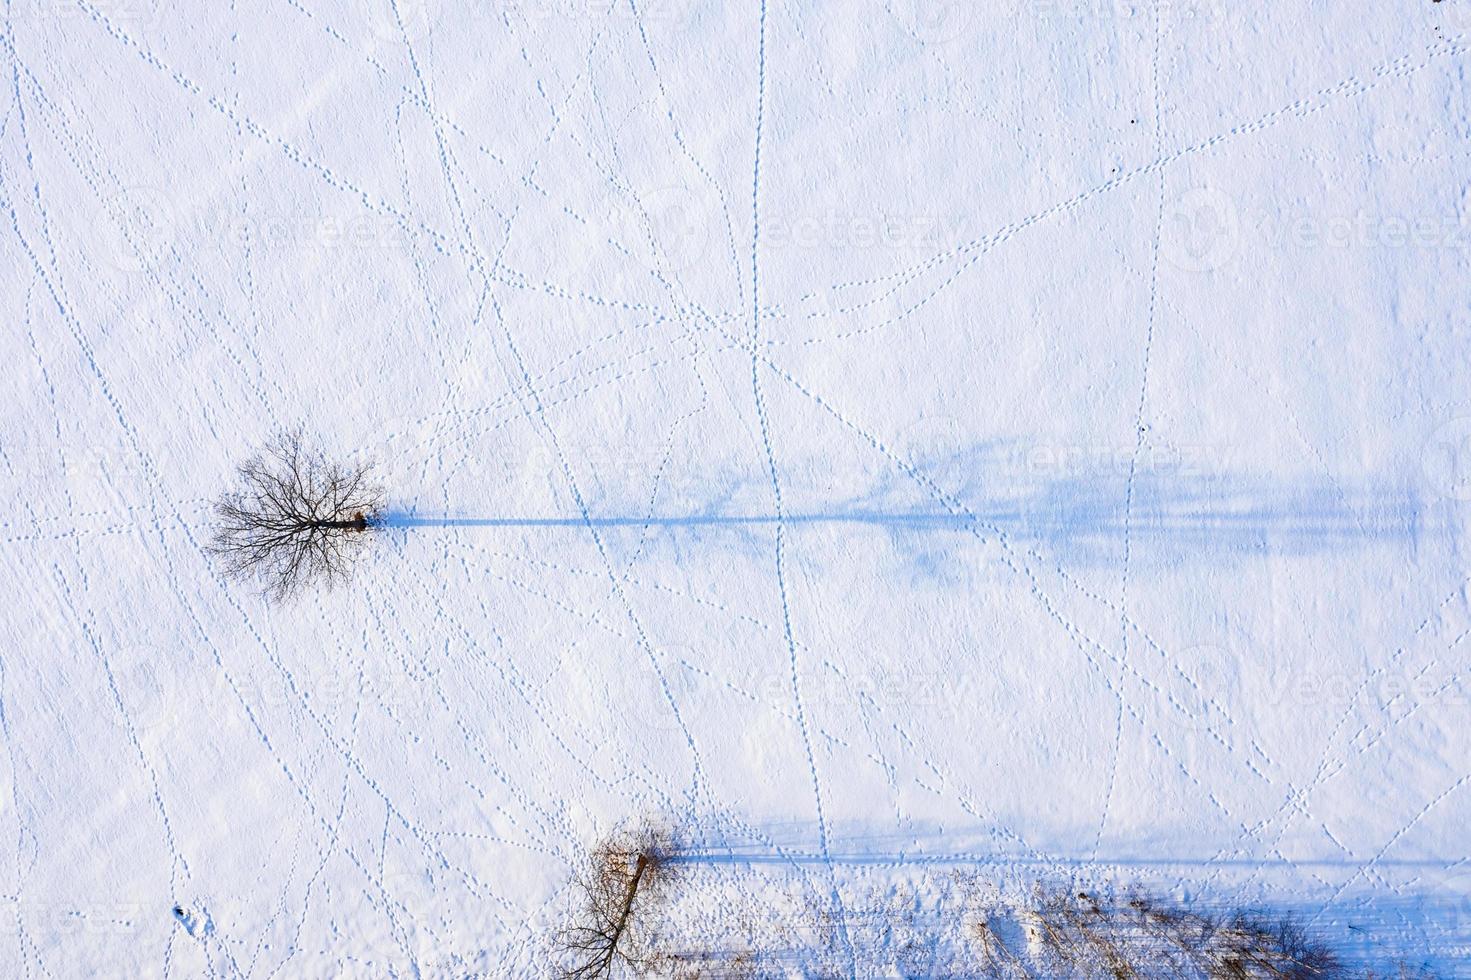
(620, 892)
(297, 518)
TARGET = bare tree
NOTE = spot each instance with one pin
(620, 890)
(297, 519)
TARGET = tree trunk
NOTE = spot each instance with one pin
(638, 872)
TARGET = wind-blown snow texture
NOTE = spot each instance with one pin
(883, 433)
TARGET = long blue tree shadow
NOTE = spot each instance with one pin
(1084, 517)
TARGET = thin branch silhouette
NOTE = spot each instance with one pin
(297, 520)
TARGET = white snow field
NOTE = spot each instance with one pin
(879, 434)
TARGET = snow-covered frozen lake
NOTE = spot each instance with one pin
(877, 433)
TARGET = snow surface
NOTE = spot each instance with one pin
(883, 434)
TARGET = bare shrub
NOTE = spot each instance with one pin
(621, 891)
(296, 520)
(1400, 970)
(1078, 934)
(1246, 948)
